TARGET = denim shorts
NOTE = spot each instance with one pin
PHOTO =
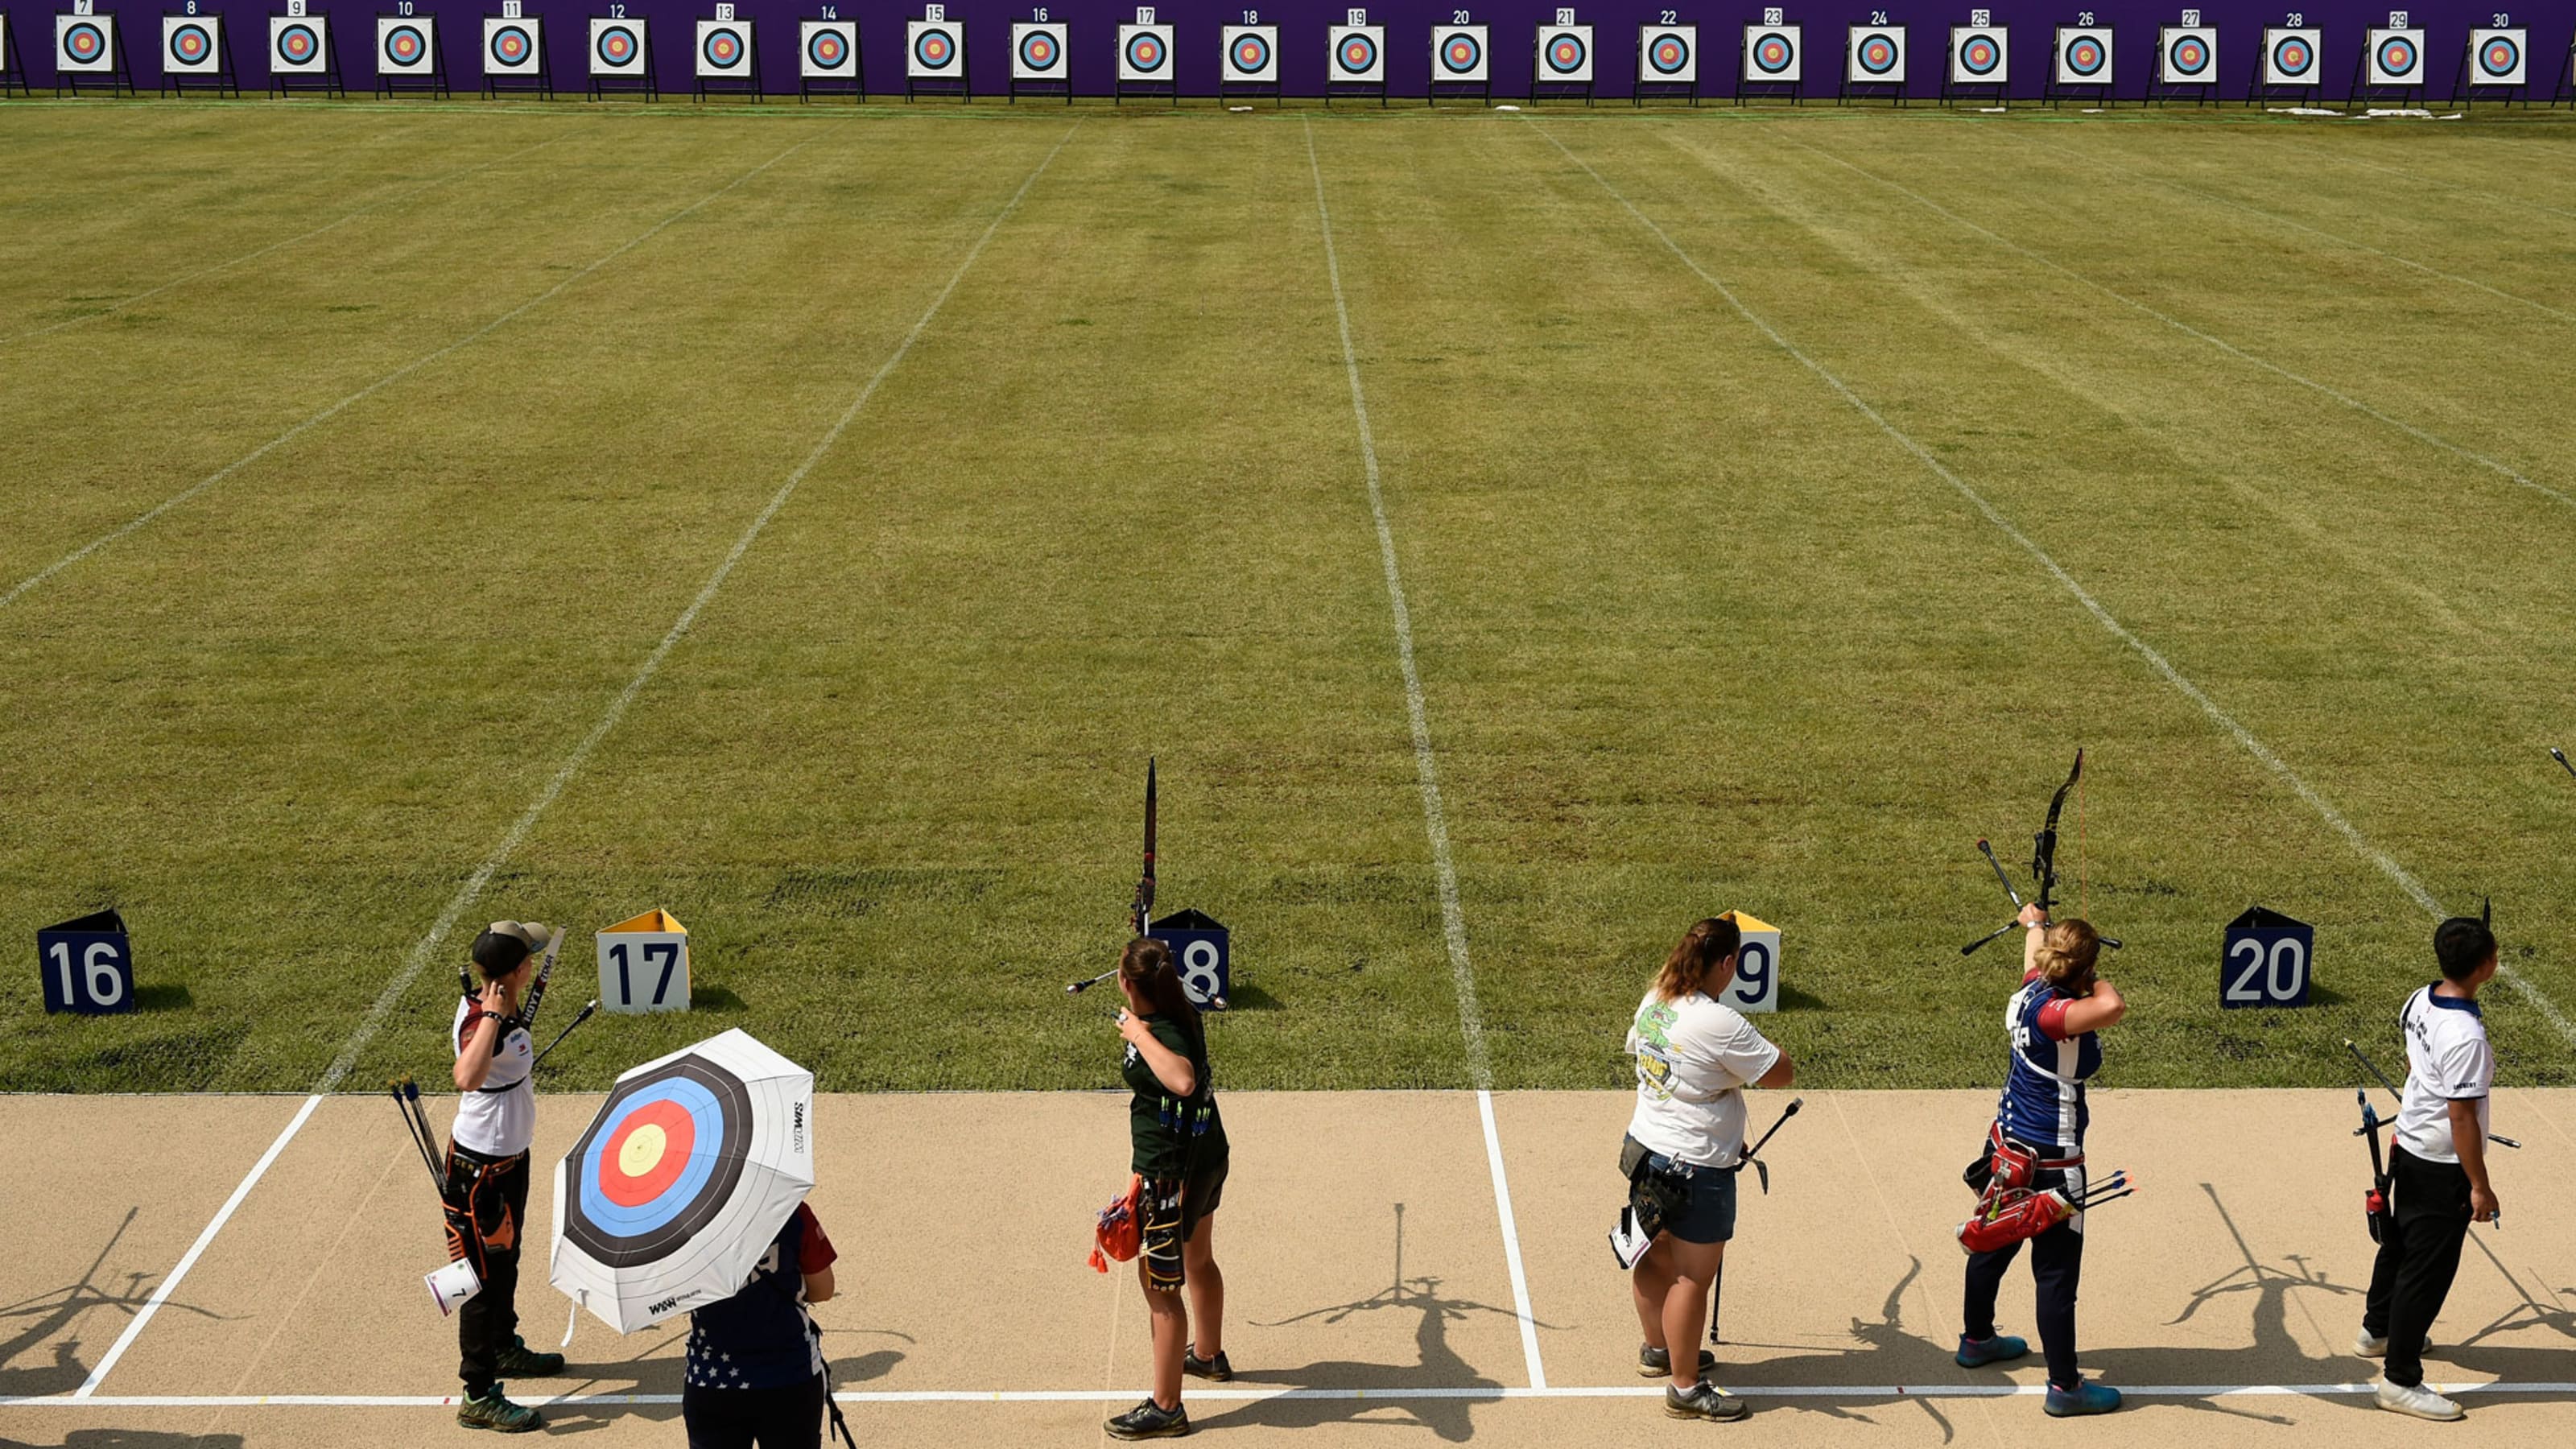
(1708, 1214)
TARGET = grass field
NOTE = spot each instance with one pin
(1778, 501)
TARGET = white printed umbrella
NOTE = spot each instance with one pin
(677, 1187)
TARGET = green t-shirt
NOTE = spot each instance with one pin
(1159, 1122)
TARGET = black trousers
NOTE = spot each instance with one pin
(487, 1206)
(788, 1418)
(2056, 1269)
(2419, 1255)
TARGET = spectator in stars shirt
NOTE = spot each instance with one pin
(755, 1371)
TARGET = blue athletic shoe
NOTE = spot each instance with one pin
(1979, 1352)
(2082, 1400)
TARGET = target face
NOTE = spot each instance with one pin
(405, 47)
(189, 45)
(2498, 57)
(1356, 53)
(1566, 51)
(1037, 51)
(1877, 55)
(1461, 53)
(2396, 57)
(2190, 55)
(2290, 57)
(510, 46)
(724, 48)
(84, 45)
(298, 46)
(1771, 53)
(827, 49)
(1977, 57)
(1251, 53)
(617, 47)
(1144, 52)
(1670, 54)
(936, 50)
(2083, 57)
(659, 1164)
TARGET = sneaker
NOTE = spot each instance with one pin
(2081, 1400)
(2002, 1348)
(2369, 1347)
(493, 1410)
(1704, 1401)
(522, 1362)
(1657, 1363)
(2419, 1401)
(1201, 1368)
(1150, 1420)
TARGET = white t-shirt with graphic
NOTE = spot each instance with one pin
(2447, 1060)
(502, 1120)
(1694, 1057)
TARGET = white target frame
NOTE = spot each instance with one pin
(2275, 76)
(2374, 55)
(1338, 74)
(917, 69)
(1059, 37)
(844, 69)
(2474, 67)
(211, 63)
(1684, 74)
(1792, 71)
(2173, 79)
(1444, 72)
(529, 65)
(1961, 37)
(104, 63)
(281, 26)
(707, 67)
(421, 68)
(1267, 73)
(1545, 71)
(634, 66)
(1856, 73)
(1163, 71)
(2064, 75)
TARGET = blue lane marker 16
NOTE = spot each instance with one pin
(88, 965)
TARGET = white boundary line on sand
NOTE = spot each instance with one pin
(2177, 324)
(608, 721)
(370, 390)
(1453, 917)
(88, 1391)
(2244, 738)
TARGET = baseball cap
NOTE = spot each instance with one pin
(504, 945)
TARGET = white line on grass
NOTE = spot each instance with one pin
(252, 256)
(518, 831)
(89, 1386)
(2244, 738)
(371, 389)
(2231, 349)
(1453, 918)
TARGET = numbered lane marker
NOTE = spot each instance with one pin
(1202, 951)
(1756, 984)
(644, 964)
(88, 965)
(2266, 960)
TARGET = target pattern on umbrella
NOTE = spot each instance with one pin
(2290, 58)
(2396, 57)
(1146, 53)
(1978, 57)
(1670, 54)
(1877, 55)
(510, 46)
(617, 47)
(1251, 53)
(2084, 56)
(2190, 56)
(659, 1163)
(1357, 56)
(937, 50)
(1461, 50)
(1566, 51)
(2498, 57)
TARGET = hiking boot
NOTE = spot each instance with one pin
(1704, 1401)
(1200, 1368)
(1657, 1363)
(2369, 1347)
(2081, 1400)
(522, 1362)
(1150, 1420)
(493, 1410)
(2417, 1400)
(1979, 1352)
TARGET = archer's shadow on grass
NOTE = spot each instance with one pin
(31, 1322)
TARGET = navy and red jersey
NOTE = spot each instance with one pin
(2043, 1102)
(762, 1337)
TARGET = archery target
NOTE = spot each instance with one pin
(299, 44)
(617, 47)
(2496, 57)
(1458, 53)
(513, 47)
(1771, 53)
(1670, 54)
(406, 45)
(2084, 55)
(85, 43)
(2187, 55)
(2292, 56)
(659, 1164)
(1565, 54)
(1359, 54)
(1037, 51)
(1877, 56)
(1144, 52)
(1252, 52)
(1979, 55)
(192, 44)
(724, 49)
(934, 50)
(2396, 57)
(827, 49)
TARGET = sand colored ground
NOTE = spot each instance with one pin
(1369, 1280)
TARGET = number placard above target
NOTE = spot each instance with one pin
(2084, 55)
(1458, 53)
(2293, 55)
(1756, 984)
(406, 45)
(513, 47)
(1773, 53)
(2396, 57)
(2267, 959)
(2187, 55)
(1252, 53)
(299, 44)
(1670, 54)
(2496, 57)
(192, 44)
(617, 47)
(1145, 52)
(1037, 50)
(85, 43)
(1359, 55)
(827, 49)
(1565, 54)
(934, 50)
(724, 50)
(1876, 56)
(1980, 55)
(644, 964)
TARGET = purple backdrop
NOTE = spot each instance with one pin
(1301, 41)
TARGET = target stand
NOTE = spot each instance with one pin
(317, 68)
(422, 80)
(1460, 65)
(1978, 68)
(1667, 64)
(1356, 65)
(2080, 67)
(2566, 78)
(1145, 64)
(514, 56)
(621, 59)
(13, 71)
(101, 57)
(2186, 64)
(2289, 69)
(2495, 66)
(1251, 65)
(205, 59)
(1561, 62)
(2390, 68)
(728, 58)
(1787, 76)
(828, 61)
(1873, 64)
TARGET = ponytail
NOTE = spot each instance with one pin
(1703, 948)
(1147, 964)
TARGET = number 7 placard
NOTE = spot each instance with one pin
(644, 964)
